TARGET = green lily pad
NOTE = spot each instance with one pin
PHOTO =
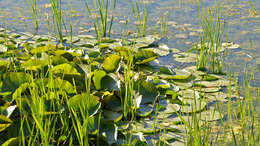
(147, 90)
(146, 127)
(114, 116)
(189, 94)
(35, 64)
(144, 56)
(145, 110)
(97, 78)
(110, 82)
(192, 106)
(208, 77)
(162, 50)
(65, 68)
(209, 115)
(39, 50)
(64, 54)
(12, 80)
(169, 107)
(56, 60)
(111, 63)
(89, 102)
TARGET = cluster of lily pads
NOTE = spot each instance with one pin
(65, 86)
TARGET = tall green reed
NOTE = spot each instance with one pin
(34, 9)
(58, 19)
(141, 20)
(100, 22)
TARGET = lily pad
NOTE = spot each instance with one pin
(114, 116)
(145, 110)
(97, 78)
(110, 82)
(65, 68)
(144, 56)
(84, 101)
(185, 57)
(12, 80)
(192, 105)
(111, 63)
(35, 64)
(147, 90)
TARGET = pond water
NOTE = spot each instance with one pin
(183, 26)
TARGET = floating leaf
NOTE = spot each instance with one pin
(35, 64)
(111, 63)
(192, 105)
(110, 82)
(65, 69)
(13, 80)
(97, 78)
(114, 116)
(64, 54)
(144, 56)
(145, 110)
(148, 91)
(84, 101)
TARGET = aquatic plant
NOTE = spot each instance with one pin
(58, 20)
(33, 9)
(142, 20)
(102, 27)
(211, 40)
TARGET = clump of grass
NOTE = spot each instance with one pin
(211, 40)
(58, 20)
(142, 20)
(100, 22)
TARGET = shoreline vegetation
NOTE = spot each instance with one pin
(97, 90)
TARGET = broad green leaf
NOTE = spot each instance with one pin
(147, 90)
(65, 69)
(113, 116)
(35, 64)
(97, 78)
(145, 110)
(111, 63)
(84, 101)
(13, 80)
(144, 56)
(12, 142)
